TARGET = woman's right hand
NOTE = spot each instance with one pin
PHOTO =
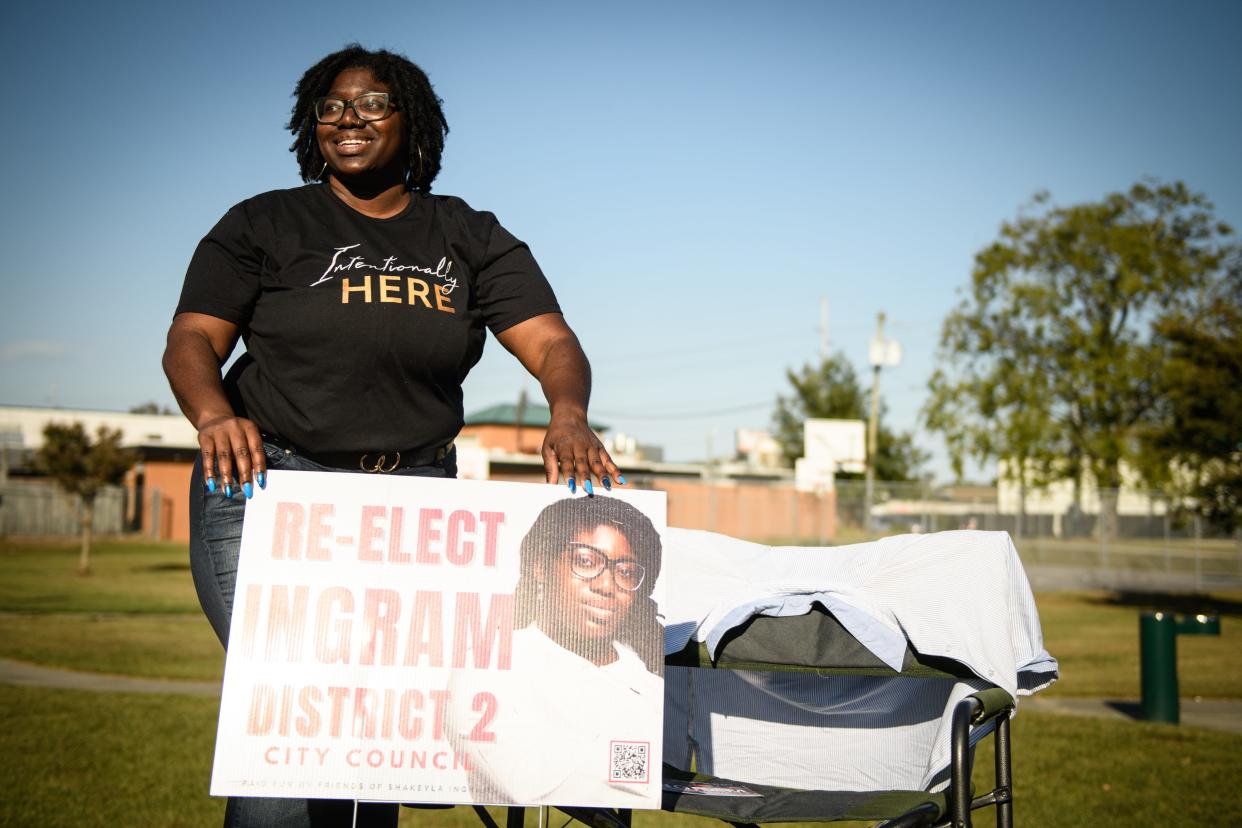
(233, 458)
(232, 446)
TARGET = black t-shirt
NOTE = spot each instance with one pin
(359, 331)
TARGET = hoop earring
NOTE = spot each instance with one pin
(322, 171)
(420, 163)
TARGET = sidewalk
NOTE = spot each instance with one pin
(34, 675)
(1212, 714)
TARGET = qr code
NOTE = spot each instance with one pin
(630, 762)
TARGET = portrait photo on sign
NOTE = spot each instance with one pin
(587, 626)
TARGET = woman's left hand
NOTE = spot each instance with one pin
(549, 350)
(572, 449)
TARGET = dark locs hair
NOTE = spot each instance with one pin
(563, 521)
(411, 92)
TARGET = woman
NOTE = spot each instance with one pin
(586, 624)
(363, 301)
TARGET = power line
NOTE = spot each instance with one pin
(667, 353)
(683, 415)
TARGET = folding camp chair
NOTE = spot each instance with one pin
(789, 716)
(815, 647)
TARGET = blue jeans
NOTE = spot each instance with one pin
(215, 548)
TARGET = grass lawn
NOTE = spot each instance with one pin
(85, 759)
(101, 759)
(1075, 771)
(127, 576)
(138, 615)
(1095, 638)
(151, 646)
(75, 758)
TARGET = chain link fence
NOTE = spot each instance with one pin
(40, 508)
(1154, 546)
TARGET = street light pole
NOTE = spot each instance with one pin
(882, 352)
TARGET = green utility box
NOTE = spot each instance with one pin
(1158, 631)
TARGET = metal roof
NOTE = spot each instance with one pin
(535, 416)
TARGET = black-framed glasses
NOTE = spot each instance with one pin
(369, 106)
(587, 562)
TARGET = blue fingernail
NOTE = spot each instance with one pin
(211, 485)
(587, 486)
(248, 489)
(573, 487)
(262, 480)
(621, 479)
(228, 490)
(607, 484)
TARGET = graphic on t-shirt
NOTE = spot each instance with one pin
(388, 284)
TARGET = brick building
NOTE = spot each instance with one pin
(501, 442)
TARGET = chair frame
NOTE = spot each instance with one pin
(989, 707)
(969, 713)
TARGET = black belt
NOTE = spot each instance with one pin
(382, 462)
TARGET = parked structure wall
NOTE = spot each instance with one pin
(527, 439)
(160, 508)
(40, 507)
(758, 511)
(763, 510)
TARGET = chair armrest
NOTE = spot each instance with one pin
(992, 701)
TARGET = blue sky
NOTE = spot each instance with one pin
(693, 177)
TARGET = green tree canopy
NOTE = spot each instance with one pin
(830, 390)
(83, 467)
(1194, 446)
(1049, 360)
(150, 407)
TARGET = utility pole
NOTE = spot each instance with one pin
(823, 328)
(518, 418)
(711, 451)
(882, 352)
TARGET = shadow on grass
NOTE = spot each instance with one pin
(1130, 709)
(163, 567)
(1185, 604)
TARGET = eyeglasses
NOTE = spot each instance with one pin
(369, 106)
(587, 562)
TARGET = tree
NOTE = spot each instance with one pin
(1048, 360)
(1195, 445)
(151, 407)
(1013, 424)
(831, 390)
(83, 467)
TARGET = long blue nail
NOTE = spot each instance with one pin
(228, 490)
(607, 484)
(262, 480)
(248, 489)
(621, 479)
(587, 486)
(211, 485)
(573, 487)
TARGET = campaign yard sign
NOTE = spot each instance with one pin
(445, 641)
